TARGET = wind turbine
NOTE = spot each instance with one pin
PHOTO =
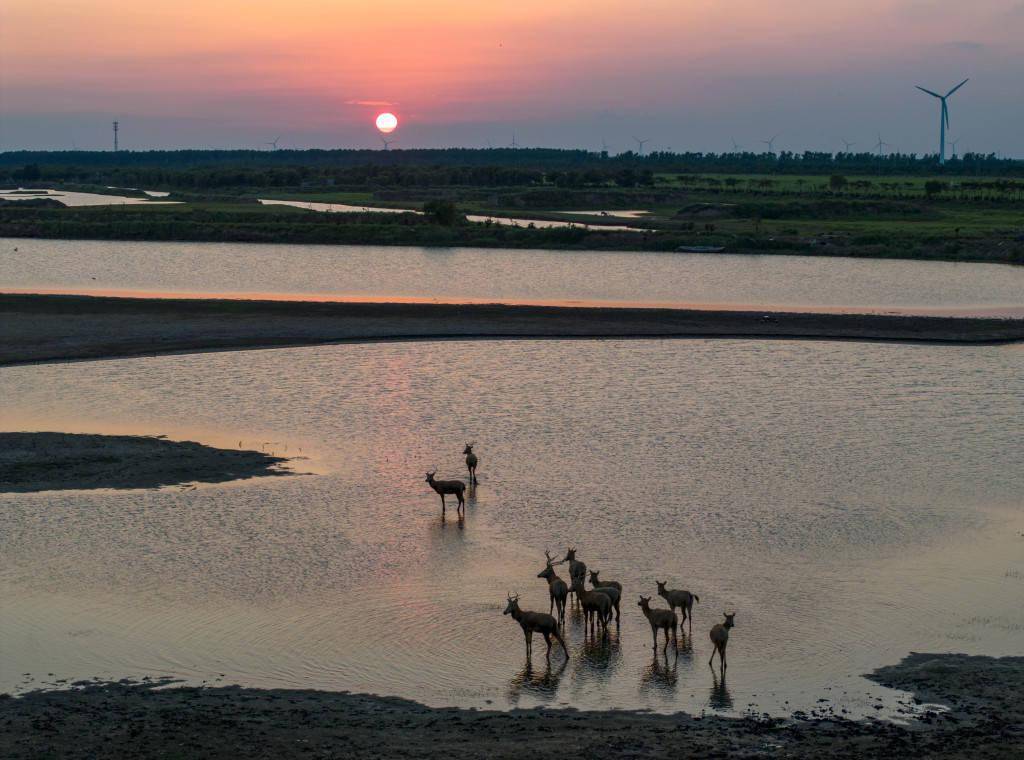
(604, 145)
(770, 142)
(514, 144)
(881, 144)
(943, 117)
(640, 144)
(273, 143)
(848, 144)
(953, 143)
(736, 147)
(387, 143)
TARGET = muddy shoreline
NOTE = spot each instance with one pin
(43, 328)
(47, 461)
(982, 717)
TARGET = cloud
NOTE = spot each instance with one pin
(369, 103)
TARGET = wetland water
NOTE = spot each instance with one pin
(851, 502)
(503, 275)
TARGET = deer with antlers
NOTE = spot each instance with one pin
(471, 461)
(558, 589)
(660, 620)
(443, 487)
(678, 598)
(535, 622)
(720, 638)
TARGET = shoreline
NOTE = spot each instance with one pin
(983, 716)
(38, 328)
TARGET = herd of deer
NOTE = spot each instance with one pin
(598, 602)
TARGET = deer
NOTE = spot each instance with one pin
(678, 598)
(613, 592)
(720, 638)
(576, 569)
(660, 618)
(471, 461)
(558, 589)
(443, 487)
(534, 622)
(597, 605)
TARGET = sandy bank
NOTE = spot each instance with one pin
(37, 328)
(985, 720)
(61, 461)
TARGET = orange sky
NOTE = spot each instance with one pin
(462, 71)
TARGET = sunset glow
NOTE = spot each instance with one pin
(387, 122)
(560, 74)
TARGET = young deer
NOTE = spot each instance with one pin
(558, 589)
(611, 589)
(720, 638)
(443, 487)
(471, 462)
(678, 598)
(532, 622)
(597, 605)
(658, 618)
(576, 569)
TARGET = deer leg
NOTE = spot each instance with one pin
(721, 657)
(551, 603)
(654, 633)
(547, 640)
(562, 642)
(712, 655)
(529, 643)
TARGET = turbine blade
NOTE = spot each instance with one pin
(945, 113)
(933, 94)
(957, 87)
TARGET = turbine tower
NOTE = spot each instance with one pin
(848, 144)
(770, 142)
(387, 143)
(116, 127)
(736, 147)
(881, 144)
(640, 144)
(953, 142)
(943, 117)
(273, 143)
(514, 144)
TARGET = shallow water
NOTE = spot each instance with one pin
(851, 502)
(502, 275)
(507, 221)
(70, 198)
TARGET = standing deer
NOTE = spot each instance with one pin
(720, 638)
(678, 598)
(471, 461)
(532, 622)
(443, 487)
(558, 589)
(659, 618)
(611, 589)
(577, 569)
(597, 606)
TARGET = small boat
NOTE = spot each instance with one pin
(700, 249)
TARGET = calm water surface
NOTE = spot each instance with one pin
(851, 502)
(509, 275)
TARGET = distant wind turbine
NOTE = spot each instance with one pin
(273, 143)
(881, 144)
(848, 144)
(953, 143)
(514, 144)
(770, 142)
(640, 144)
(736, 147)
(943, 116)
(604, 145)
(388, 143)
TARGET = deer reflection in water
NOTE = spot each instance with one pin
(662, 673)
(719, 697)
(536, 682)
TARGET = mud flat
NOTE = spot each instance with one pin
(982, 717)
(62, 461)
(35, 328)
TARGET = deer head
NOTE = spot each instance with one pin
(469, 448)
(570, 555)
(644, 602)
(729, 619)
(430, 475)
(661, 586)
(548, 572)
(513, 604)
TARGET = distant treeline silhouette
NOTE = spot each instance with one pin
(492, 167)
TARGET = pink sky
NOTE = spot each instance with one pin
(689, 74)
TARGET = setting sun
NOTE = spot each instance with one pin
(387, 122)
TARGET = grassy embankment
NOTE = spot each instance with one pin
(888, 217)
